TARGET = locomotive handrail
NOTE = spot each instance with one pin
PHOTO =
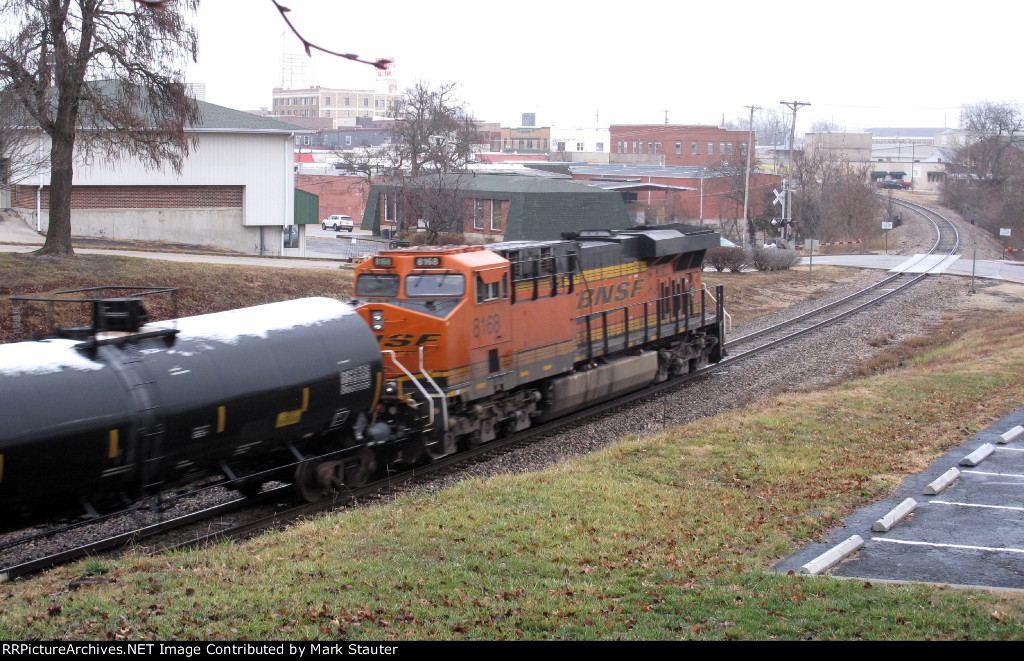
(725, 313)
(423, 391)
(444, 399)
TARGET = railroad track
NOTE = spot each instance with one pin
(237, 517)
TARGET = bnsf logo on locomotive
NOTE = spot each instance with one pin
(610, 293)
(399, 340)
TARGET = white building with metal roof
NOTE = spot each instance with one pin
(235, 190)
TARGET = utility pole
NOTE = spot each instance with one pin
(746, 182)
(794, 106)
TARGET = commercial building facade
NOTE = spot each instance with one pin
(676, 145)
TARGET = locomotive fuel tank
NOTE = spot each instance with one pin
(226, 393)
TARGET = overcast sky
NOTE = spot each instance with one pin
(575, 63)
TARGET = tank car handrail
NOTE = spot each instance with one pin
(419, 386)
(444, 399)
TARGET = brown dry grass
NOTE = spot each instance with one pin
(203, 288)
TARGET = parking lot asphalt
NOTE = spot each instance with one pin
(969, 534)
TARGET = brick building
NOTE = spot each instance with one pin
(337, 194)
(339, 105)
(508, 207)
(676, 144)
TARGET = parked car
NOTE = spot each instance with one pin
(891, 183)
(338, 222)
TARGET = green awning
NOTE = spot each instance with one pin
(878, 174)
(898, 174)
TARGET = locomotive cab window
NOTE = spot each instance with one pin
(377, 285)
(435, 285)
(491, 291)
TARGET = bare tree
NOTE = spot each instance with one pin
(771, 126)
(20, 153)
(985, 168)
(99, 75)
(433, 130)
(833, 201)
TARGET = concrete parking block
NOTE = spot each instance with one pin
(833, 556)
(978, 456)
(1011, 435)
(897, 514)
(941, 482)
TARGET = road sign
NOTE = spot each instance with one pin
(886, 225)
(1004, 231)
(778, 197)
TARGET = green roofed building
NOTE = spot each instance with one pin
(498, 207)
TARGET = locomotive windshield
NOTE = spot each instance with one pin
(377, 285)
(435, 285)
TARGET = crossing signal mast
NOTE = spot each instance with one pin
(794, 106)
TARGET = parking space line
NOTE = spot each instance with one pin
(994, 507)
(1009, 449)
(948, 546)
(995, 474)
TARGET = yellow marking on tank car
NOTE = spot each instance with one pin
(222, 417)
(293, 417)
(112, 445)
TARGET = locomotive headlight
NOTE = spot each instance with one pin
(391, 388)
(377, 320)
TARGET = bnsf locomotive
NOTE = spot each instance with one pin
(441, 348)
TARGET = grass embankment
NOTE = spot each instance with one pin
(203, 288)
(663, 537)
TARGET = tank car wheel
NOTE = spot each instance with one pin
(357, 472)
(306, 482)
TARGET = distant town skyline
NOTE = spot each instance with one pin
(576, 64)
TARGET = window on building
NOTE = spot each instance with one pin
(635, 147)
(496, 215)
(328, 113)
(366, 102)
(657, 146)
(743, 149)
(721, 149)
(579, 146)
(679, 147)
(618, 146)
(348, 141)
(327, 100)
(693, 148)
(560, 145)
(599, 146)
(649, 150)
(348, 101)
(478, 213)
(711, 148)
(728, 148)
